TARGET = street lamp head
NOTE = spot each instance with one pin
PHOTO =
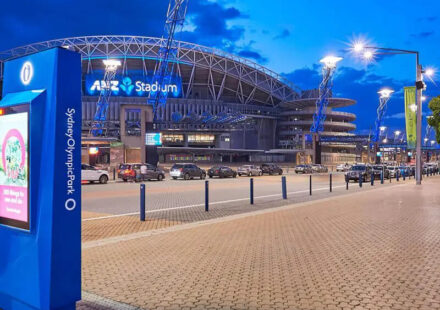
(397, 132)
(385, 140)
(382, 128)
(330, 61)
(426, 139)
(368, 55)
(385, 92)
(432, 142)
(111, 64)
(358, 46)
(429, 72)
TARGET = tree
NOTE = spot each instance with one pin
(434, 120)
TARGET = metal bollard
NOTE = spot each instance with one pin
(346, 184)
(310, 185)
(404, 175)
(331, 183)
(142, 211)
(207, 196)
(372, 179)
(251, 182)
(114, 174)
(381, 177)
(397, 175)
(284, 187)
(360, 181)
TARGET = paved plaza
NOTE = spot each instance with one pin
(371, 249)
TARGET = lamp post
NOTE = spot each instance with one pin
(369, 53)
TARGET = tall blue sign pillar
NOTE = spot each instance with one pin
(40, 182)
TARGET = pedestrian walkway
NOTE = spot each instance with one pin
(377, 249)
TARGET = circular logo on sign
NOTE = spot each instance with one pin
(27, 72)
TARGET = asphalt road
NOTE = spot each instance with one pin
(122, 198)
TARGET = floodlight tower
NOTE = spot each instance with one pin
(328, 70)
(98, 126)
(167, 53)
(384, 97)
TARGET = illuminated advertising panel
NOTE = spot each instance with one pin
(154, 139)
(133, 84)
(14, 167)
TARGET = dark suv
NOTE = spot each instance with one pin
(187, 171)
(271, 169)
(359, 171)
(222, 172)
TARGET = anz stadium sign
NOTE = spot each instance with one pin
(133, 84)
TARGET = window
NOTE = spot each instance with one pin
(199, 138)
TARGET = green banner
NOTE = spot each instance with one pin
(410, 116)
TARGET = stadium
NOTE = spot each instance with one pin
(220, 107)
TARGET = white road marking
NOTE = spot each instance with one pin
(202, 204)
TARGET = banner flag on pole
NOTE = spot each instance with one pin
(410, 116)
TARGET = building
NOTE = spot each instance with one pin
(220, 108)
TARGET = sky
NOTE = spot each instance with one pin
(289, 37)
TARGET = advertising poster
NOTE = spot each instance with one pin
(410, 116)
(14, 170)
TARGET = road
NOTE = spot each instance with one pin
(121, 198)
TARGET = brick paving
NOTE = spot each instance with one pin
(110, 226)
(368, 250)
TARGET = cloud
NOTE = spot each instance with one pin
(283, 34)
(27, 21)
(209, 25)
(400, 115)
(422, 35)
(247, 53)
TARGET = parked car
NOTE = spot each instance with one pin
(394, 170)
(187, 171)
(342, 167)
(249, 170)
(92, 174)
(303, 169)
(430, 168)
(379, 169)
(359, 171)
(125, 172)
(222, 172)
(271, 169)
(148, 172)
(319, 168)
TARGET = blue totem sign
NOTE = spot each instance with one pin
(40, 182)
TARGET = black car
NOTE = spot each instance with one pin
(187, 171)
(271, 169)
(222, 172)
(379, 169)
(357, 172)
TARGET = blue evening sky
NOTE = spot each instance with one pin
(288, 37)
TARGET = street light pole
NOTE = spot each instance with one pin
(419, 122)
(369, 53)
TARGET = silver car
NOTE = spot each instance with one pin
(249, 170)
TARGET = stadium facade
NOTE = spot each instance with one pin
(220, 107)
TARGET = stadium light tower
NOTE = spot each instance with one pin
(98, 126)
(167, 53)
(384, 97)
(325, 88)
(368, 53)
